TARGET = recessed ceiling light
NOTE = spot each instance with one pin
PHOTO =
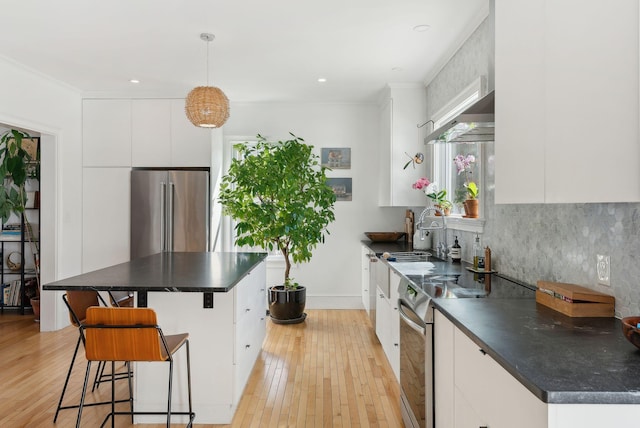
(421, 28)
(134, 81)
(396, 69)
(322, 80)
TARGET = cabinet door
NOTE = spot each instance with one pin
(382, 321)
(105, 217)
(365, 277)
(403, 108)
(394, 323)
(519, 75)
(106, 133)
(384, 153)
(567, 105)
(151, 133)
(190, 144)
(443, 352)
(496, 396)
(465, 415)
(592, 50)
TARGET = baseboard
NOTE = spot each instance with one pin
(334, 302)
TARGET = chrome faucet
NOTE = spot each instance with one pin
(440, 251)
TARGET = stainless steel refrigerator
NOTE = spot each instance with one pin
(169, 210)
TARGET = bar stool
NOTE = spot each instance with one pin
(77, 302)
(131, 334)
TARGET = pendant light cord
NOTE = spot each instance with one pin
(208, 42)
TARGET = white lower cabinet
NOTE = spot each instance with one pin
(394, 324)
(473, 391)
(365, 255)
(383, 317)
(388, 322)
(465, 416)
(224, 341)
(443, 370)
(250, 326)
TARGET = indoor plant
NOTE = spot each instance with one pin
(279, 196)
(17, 165)
(463, 165)
(439, 197)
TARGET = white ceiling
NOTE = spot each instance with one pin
(263, 51)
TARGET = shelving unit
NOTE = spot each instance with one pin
(15, 293)
(26, 271)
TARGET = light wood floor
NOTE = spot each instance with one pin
(327, 372)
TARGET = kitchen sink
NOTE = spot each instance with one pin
(410, 256)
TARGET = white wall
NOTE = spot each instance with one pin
(333, 275)
(34, 102)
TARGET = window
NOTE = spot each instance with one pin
(445, 173)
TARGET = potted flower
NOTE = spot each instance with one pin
(17, 166)
(279, 196)
(464, 166)
(439, 197)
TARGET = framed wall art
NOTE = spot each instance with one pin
(336, 157)
(342, 187)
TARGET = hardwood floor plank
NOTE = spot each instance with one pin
(329, 371)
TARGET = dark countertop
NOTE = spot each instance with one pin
(558, 358)
(561, 360)
(381, 247)
(190, 272)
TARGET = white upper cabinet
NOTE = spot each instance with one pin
(567, 111)
(163, 136)
(142, 133)
(190, 145)
(151, 133)
(402, 109)
(106, 133)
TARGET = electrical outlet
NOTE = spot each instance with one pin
(604, 270)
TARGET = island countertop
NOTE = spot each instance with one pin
(174, 272)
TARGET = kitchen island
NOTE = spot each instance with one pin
(219, 299)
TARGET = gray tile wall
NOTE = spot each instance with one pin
(555, 242)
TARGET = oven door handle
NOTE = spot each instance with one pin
(420, 329)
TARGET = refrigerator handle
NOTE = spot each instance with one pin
(163, 199)
(172, 189)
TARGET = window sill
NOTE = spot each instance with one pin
(457, 222)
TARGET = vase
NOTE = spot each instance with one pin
(445, 211)
(471, 208)
(35, 305)
(287, 306)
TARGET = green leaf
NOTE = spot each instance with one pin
(278, 194)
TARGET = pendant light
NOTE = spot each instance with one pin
(207, 106)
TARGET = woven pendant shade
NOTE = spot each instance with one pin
(207, 107)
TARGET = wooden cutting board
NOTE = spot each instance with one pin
(575, 300)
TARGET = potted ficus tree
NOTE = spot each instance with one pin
(17, 165)
(278, 194)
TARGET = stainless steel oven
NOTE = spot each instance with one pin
(416, 357)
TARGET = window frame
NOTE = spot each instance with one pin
(444, 173)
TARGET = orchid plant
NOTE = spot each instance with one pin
(464, 165)
(430, 189)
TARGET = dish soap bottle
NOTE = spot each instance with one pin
(477, 250)
(456, 252)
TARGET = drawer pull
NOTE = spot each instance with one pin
(483, 352)
(248, 310)
(247, 346)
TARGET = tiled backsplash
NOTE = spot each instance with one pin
(558, 242)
